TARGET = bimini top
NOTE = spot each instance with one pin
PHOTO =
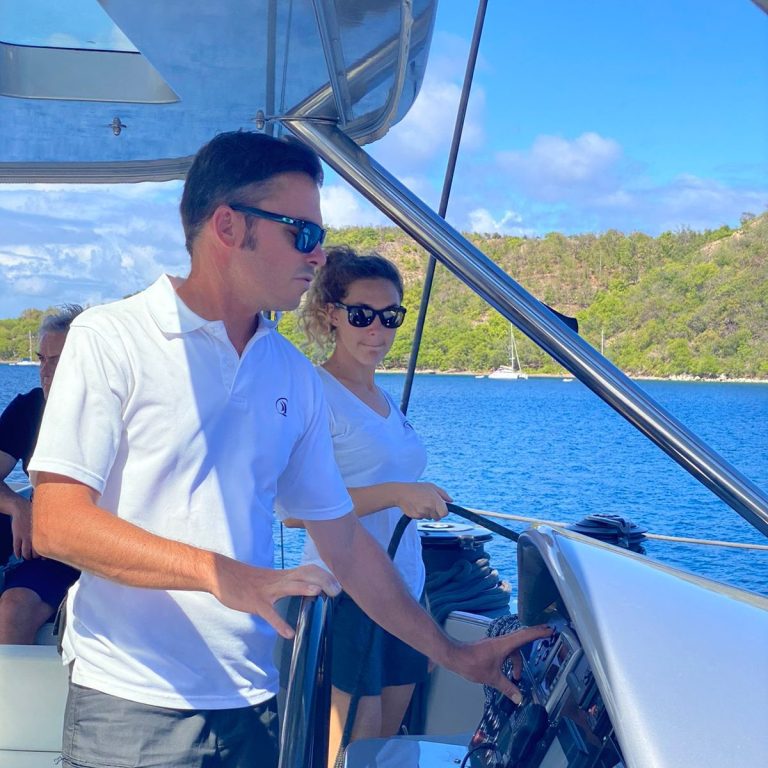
(141, 85)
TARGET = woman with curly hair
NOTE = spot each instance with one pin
(352, 311)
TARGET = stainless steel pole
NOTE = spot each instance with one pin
(533, 318)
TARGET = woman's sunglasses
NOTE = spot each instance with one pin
(308, 234)
(361, 315)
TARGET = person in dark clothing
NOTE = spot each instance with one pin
(33, 586)
(19, 425)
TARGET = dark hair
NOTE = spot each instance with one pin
(59, 322)
(342, 268)
(232, 161)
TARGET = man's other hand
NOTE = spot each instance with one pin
(21, 528)
(481, 661)
(256, 590)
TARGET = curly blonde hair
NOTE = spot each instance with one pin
(331, 283)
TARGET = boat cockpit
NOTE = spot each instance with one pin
(605, 689)
(649, 667)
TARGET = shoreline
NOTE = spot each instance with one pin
(565, 375)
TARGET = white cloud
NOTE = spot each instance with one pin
(482, 221)
(343, 207)
(424, 135)
(555, 168)
(31, 286)
(699, 203)
(639, 205)
(448, 56)
(418, 145)
(14, 258)
(588, 184)
(619, 199)
(569, 185)
(85, 244)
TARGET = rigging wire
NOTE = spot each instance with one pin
(655, 536)
(447, 184)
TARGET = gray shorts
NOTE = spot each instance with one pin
(103, 731)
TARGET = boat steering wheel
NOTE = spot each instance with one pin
(304, 730)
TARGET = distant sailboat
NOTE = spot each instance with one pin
(28, 360)
(513, 370)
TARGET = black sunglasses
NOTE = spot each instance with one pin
(361, 315)
(308, 234)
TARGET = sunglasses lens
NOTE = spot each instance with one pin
(392, 318)
(389, 318)
(360, 317)
(309, 237)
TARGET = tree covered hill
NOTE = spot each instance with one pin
(682, 304)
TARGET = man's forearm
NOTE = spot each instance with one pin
(69, 527)
(366, 573)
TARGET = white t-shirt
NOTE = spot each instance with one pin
(371, 449)
(152, 407)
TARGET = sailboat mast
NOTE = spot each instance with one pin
(515, 359)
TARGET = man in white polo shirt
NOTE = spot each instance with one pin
(176, 419)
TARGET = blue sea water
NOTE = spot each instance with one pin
(552, 450)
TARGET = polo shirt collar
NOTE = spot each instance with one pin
(173, 316)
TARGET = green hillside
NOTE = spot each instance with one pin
(682, 304)
(14, 334)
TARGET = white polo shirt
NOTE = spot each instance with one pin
(152, 407)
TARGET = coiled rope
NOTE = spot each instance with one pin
(471, 586)
(469, 583)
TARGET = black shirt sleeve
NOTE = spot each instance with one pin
(20, 424)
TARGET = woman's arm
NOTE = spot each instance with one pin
(419, 501)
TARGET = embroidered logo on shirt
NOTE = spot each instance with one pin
(281, 406)
(407, 424)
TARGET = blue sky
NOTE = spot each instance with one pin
(634, 115)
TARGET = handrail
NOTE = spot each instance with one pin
(304, 731)
(533, 319)
(330, 38)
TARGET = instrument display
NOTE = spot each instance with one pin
(562, 721)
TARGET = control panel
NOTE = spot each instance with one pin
(562, 721)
